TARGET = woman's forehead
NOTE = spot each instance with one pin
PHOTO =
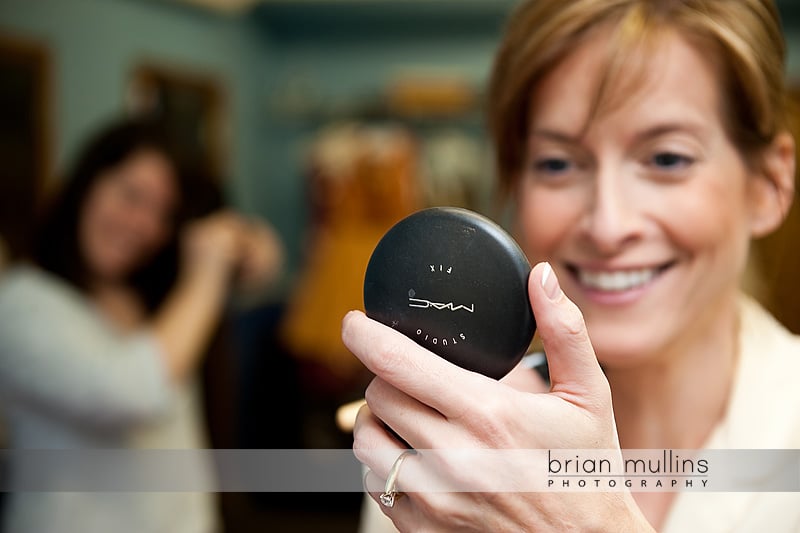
(664, 79)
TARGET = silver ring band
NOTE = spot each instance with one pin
(390, 492)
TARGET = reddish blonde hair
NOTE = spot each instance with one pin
(742, 39)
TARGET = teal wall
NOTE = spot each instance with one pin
(322, 50)
(95, 44)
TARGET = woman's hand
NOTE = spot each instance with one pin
(431, 403)
(224, 243)
(525, 379)
(213, 245)
(262, 257)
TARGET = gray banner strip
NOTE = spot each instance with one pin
(300, 470)
(181, 471)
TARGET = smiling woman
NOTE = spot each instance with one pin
(644, 146)
(647, 204)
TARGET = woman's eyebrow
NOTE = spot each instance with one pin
(649, 133)
(666, 128)
(555, 135)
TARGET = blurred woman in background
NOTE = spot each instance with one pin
(101, 334)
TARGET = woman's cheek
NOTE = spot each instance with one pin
(707, 214)
(545, 218)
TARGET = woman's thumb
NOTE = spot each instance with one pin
(574, 370)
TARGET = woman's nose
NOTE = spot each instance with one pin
(147, 221)
(612, 221)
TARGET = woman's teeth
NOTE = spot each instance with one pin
(618, 280)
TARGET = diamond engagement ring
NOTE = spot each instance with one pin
(390, 493)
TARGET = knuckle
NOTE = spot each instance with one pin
(495, 434)
(442, 507)
(371, 394)
(490, 420)
(358, 447)
(347, 328)
(362, 416)
(572, 321)
(364, 442)
(389, 357)
(361, 449)
(485, 411)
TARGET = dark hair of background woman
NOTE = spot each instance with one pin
(56, 247)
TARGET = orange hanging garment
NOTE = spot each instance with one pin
(365, 180)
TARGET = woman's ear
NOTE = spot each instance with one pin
(770, 191)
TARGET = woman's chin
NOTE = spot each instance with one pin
(111, 272)
(627, 352)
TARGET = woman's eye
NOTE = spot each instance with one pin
(670, 161)
(552, 165)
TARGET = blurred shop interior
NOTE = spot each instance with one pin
(330, 120)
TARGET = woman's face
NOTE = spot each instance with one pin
(644, 212)
(127, 215)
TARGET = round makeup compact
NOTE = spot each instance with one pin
(457, 284)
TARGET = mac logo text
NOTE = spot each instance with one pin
(425, 304)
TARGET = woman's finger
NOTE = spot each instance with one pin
(373, 446)
(416, 423)
(411, 368)
(408, 514)
(376, 449)
(574, 371)
(374, 485)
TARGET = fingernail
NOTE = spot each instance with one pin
(550, 282)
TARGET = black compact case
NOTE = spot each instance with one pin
(456, 283)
